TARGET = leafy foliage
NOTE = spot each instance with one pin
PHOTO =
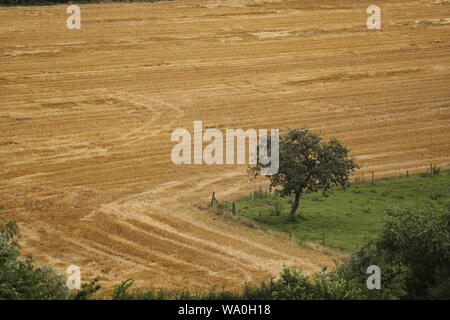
(87, 290)
(20, 279)
(308, 164)
(413, 252)
(294, 285)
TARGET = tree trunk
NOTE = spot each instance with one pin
(295, 205)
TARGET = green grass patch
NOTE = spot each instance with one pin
(346, 218)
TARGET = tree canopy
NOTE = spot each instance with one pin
(308, 164)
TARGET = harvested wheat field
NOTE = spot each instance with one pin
(86, 118)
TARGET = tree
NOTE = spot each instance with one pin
(412, 251)
(308, 164)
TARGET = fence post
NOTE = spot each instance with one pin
(431, 169)
(372, 176)
(234, 208)
(407, 173)
(260, 216)
(213, 198)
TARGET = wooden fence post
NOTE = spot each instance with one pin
(431, 169)
(372, 176)
(234, 208)
(213, 199)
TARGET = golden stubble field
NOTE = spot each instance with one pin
(86, 118)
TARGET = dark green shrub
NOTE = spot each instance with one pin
(19, 278)
(413, 252)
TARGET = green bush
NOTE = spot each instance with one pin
(19, 278)
(413, 252)
(294, 285)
